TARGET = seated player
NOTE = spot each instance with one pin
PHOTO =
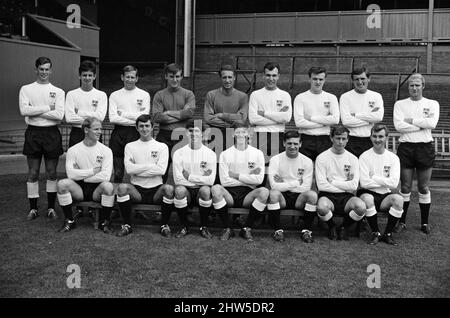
(290, 177)
(194, 171)
(88, 166)
(145, 161)
(241, 170)
(337, 177)
(379, 173)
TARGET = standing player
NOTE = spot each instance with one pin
(379, 173)
(146, 162)
(88, 168)
(241, 169)
(290, 177)
(225, 107)
(270, 108)
(414, 118)
(194, 171)
(337, 177)
(125, 106)
(42, 105)
(314, 112)
(360, 109)
(83, 102)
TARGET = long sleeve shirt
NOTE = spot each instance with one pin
(364, 106)
(87, 104)
(196, 162)
(146, 162)
(181, 101)
(81, 161)
(131, 104)
(425, 115)
(297, 173)
(342, 169)
(34, 103)
(242, 162)
(385, 170)
(233, 107)
(323, 109)
(271, 102)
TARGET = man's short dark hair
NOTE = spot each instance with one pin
(359, 71)
(271, 66)
(173, 68)
(338, 129)
(143, 119)
(87, 66)
(87, 122)
(379, 127)
(317, 70)
(227, 67)
(291, 134)
(129, 68)
(42, 60)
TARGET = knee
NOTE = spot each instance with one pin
(204, 193)
(360, 208)
(107, 187)
(122, 189)
(311, 197)
(263, 194)
(180, 192)
(423, 189)
(322, 208)
(62, 186)
(33, 175)
(168, 191)
(274, 196)
(397, 201)
(216, 191)
(406, 188)
(367, 199)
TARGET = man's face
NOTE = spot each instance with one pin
(228, 79)
(339, 141)
(129, 80)
(174, 79)
(415, 87)
(317, 81)
(144, 129)
(271, 78)
(194, 135)
(43, 72)
(95, 131)
(378, 139)
(360, 82)
(241, 134)
(292, 145)
(87, 79)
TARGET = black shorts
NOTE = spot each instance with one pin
(76, 136)
(312, 146)
(147, 194)
(43, 141)
(377, 198)
(239, 193)
(88, 189)
(194, 194)
(357, 145)
(120, 136)
(416, 155)
(290, 198)
(339, 201)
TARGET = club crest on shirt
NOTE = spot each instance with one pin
(371, 104)
(94, 103)
(387, 171)
(154, 154)
(427, 113)
(140, 102)
(251, 164)
(52, 95)
(348, 172)
(326, 104)
(99, 159)
(300, 172)
(203, 164)
(279, 103)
